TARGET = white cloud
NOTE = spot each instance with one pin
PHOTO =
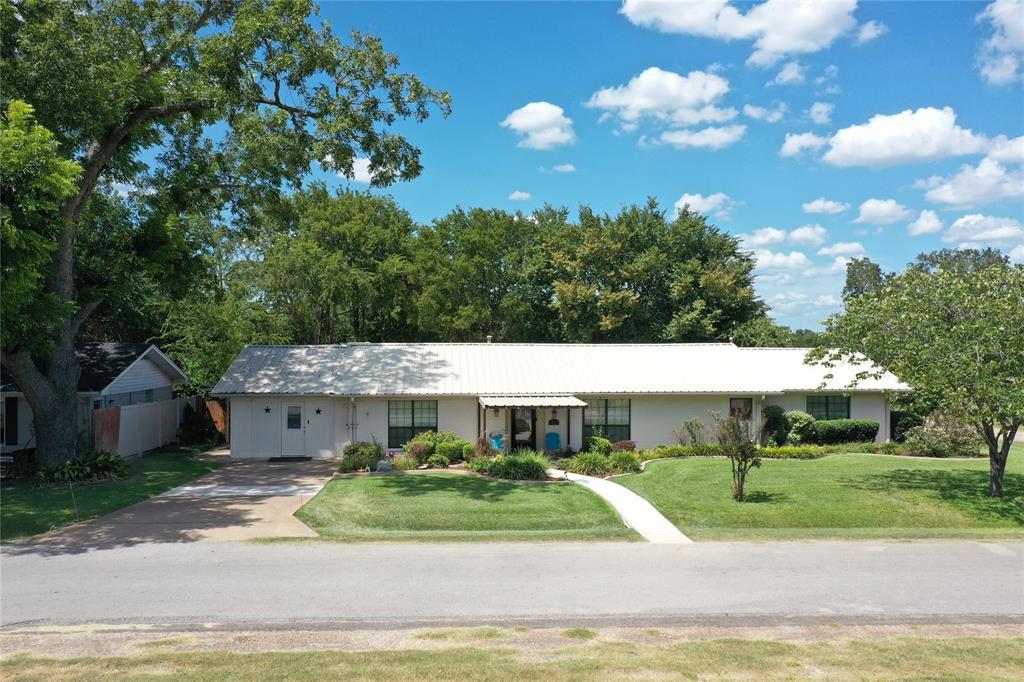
(1017, 253)
(765, 114)
(564, 168)
(821, 112)
(766, 236)
(869, 31)
(839, 264)
(987, 182)
(1007, 151)
(542, 125)
(823, 205)
(665, 96)
(797, 143)
(842, 249)
(1000, 57)
(812, 235)
(831, 72)
(787, 301)
(771, 260)
(519, 195)
(882, 212)
(977, 231)
(717, 203)
(777, 27)
(708, 138)
(361, 171)
(927, 223)
(907, 137)
(791, 73)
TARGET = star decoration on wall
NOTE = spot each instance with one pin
(318, 410)
(266, 409)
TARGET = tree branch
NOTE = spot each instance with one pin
(165, 58)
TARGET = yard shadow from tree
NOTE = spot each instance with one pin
(473, 487)
(761, 497)
(965, 490)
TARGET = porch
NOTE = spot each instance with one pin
(546, 423)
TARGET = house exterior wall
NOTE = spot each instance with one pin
(142, 375)
(873, 406)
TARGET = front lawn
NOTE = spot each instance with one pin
(27, 508)
(839, 496)
(441, 507)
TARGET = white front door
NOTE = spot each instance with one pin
(319, 427)
(294, 442)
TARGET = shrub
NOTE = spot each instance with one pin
(601, 446)
(776, 426)
(524, 465)
(418, 451)
(734, 437)
(801, 428)
(707, 451)
(430, 439)
(438, 461)
(384, 466)
(404, 463)
(624, 462)
(624, 445)
(665, 451)
(360, 455)
(690, 432)
(893, 448)
(831, 431)
(901, 422)
(484, 448)
(939, 437)
(468, 452)
(453, 450)
(91, 466)
(481, 465)
(589, 464)
(793, 452)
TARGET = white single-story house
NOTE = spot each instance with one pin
(113, 375)
(313, 400)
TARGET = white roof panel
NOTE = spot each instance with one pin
(520, 369)
(531, 401)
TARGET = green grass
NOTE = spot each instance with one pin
(896, 658)
(27, 508)
(839, 496)
(441, 507)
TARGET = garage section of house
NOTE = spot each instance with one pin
(313, 400)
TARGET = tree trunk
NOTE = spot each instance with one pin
(57, 429)
(998, 453)
(996, 469)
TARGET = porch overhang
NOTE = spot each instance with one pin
(489, 401)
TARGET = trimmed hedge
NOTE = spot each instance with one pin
(832, 431)
(901, 422)
(360, 455)
(438, 461)
(453, 450)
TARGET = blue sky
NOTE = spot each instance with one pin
(920, 108)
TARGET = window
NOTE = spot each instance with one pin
(741, 407)
(406, 418)
(149, 395)
(294, 417)
(609, 417)
(828, 406)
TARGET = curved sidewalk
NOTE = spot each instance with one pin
(638, 513)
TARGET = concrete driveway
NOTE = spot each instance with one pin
(241, 501)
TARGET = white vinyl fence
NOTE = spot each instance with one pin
(146, 426)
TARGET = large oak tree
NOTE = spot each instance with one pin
(214, 105)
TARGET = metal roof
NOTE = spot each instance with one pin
(531, 401)
(517, 369)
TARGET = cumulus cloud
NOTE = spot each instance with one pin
(1017, 253)
(797, 143)
(791, 73)
(717, 203)
(665, 96)
(812, 235)
(787, 301)
(1007, 151)
(777, 27)
(907, 137)
(766, 236)
(869, 31)
(361, 171)
(558, 168)
(987, 182)
(842, 249)
(541, 125)
(1000, 56)
(978, 231)
(821, 112)
(927, 222)
(773, 115)
(771, 260)
(823, 205)
(882, 212)
(708, 138)
(519, 195)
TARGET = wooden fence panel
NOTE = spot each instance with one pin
(106, 429)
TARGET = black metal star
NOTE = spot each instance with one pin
(267, 409)
(318, 410)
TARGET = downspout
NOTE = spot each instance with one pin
(352, 425)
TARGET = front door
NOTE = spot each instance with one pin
(524, 427)
(293, 443)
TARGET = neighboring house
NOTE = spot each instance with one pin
(312, 400)
(113, 375)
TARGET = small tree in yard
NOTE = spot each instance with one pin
(734, 437)
(956, 336)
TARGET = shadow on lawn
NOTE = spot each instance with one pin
(483, 489)
(963, 489)
(761, 497)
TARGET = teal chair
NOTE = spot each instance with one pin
(497, 441)
(552, 441)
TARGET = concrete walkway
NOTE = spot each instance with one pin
(638, 513)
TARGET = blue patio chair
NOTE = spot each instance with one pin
(497, 440)
(552, 441)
